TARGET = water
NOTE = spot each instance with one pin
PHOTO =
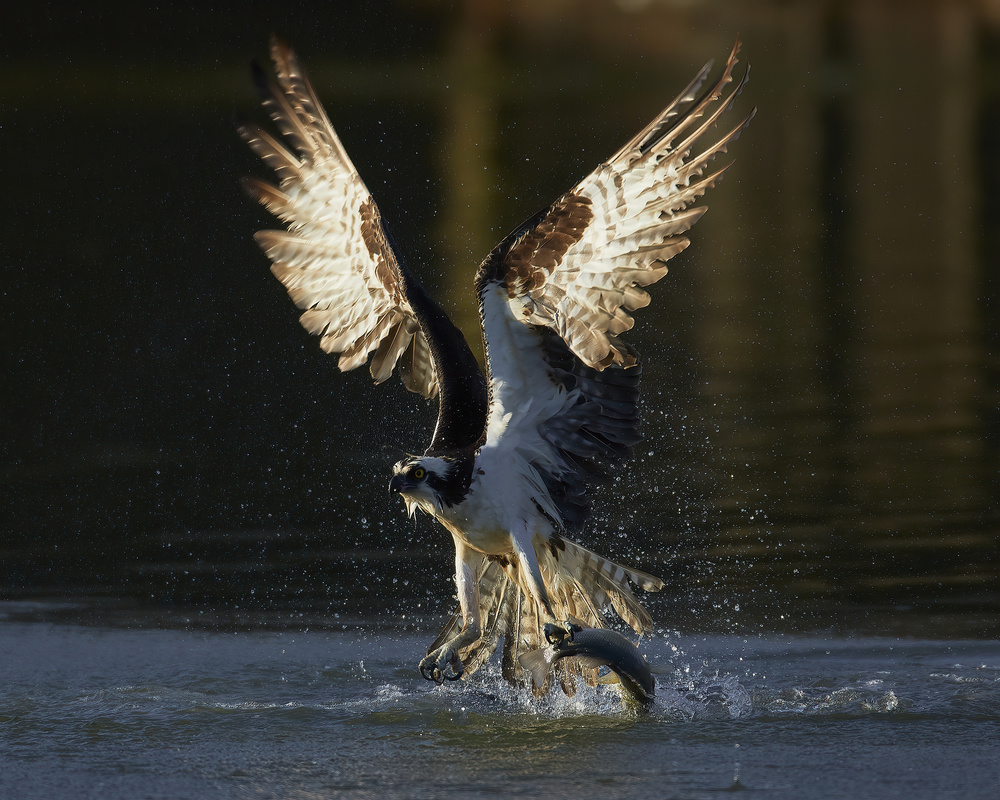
(820, 382)
(820, 408)
(109, 712)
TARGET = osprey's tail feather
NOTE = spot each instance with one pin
(585, 585)
(580, 585)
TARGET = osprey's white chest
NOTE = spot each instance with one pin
(498, 506)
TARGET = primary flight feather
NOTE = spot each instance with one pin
(515, 449)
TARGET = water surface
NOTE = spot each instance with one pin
(822, 457)
(107, 712)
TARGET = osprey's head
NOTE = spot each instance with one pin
(422, 482)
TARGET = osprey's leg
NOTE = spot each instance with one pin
(531, 572)
(524, 549)
(434, 666)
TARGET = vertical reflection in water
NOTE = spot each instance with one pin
(989, 242)
(832, 505)
(912, 280)
(758, 338)
(468, 137)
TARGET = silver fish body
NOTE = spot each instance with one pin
(593, 648)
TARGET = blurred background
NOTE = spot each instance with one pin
(821, 370)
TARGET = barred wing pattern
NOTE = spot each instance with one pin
(555, 295)
(580, 270)
(334, 259)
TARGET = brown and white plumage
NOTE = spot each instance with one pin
(334, 258)
(336, 261)
(581, 269)
(514, 450)
(581, 585)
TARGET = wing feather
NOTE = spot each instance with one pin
(556, 296)
(334, 259)
(576, 268)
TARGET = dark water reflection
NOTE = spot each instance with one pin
(821, 366)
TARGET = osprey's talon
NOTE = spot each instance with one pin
(430, 670)
(556, 632)
(431, 673)
(435, 666)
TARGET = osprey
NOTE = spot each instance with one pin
(515, 448)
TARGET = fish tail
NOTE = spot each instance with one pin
(536, 662)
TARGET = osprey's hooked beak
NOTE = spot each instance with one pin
(400, 484)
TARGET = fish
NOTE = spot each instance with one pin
(593, 648)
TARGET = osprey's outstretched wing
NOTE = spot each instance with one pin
(337, 264)
(557, 293)
(579, 266)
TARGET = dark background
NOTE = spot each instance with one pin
(821, 370)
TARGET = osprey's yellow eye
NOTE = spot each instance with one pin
(419, 473)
